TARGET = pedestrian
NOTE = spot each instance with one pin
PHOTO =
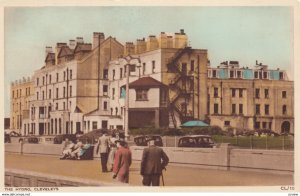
(154, 160)
(77, 149)
(112, 150)
(122, 162)
(103, 148)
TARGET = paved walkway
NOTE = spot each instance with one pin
(174, 176)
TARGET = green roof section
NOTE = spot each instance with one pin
(194, 123)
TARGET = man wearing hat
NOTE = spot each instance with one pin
(154, 160)
(122, 161)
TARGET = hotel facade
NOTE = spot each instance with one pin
(82, 87)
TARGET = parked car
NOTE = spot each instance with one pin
(60, 138)
(30, 139)
(196, 141)
(142, 140)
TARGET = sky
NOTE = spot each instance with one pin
(245, 34)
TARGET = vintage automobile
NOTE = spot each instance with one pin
(196, 141)
(29, 139)
(142, 140)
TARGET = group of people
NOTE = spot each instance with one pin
(115, 153)
(73, 151)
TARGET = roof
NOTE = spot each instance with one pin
(82, 47)
(65, 51)
(146, 82)
(194, 123)
(50, 56)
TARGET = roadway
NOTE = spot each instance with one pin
(174, 176)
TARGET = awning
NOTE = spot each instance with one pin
(194, 123)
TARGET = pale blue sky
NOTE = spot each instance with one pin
(245, 34)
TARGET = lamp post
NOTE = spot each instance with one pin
(128, 60)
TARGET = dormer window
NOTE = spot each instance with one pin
(214, 73)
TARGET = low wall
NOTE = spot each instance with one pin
(272, 160)
(224, 157)
(23, 178)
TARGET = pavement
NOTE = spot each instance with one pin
(174, 176)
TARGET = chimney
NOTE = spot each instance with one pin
(98, 37)
(48, 50)
(163, 40)
(79, 40)
(180, 39)
(129, 48)
(140, 46)
(72, 44)
(152, 43)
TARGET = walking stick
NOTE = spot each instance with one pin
(162, 178)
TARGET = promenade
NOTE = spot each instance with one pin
(174, 176)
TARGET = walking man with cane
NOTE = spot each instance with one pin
(154, 160)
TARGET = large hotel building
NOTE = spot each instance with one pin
(82, 87)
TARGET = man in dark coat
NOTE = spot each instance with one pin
(154, 160)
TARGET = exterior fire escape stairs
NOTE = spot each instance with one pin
(178, 85)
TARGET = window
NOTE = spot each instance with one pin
(257, 125)
(64, 91)
(70, 91)
(284, 111)
(71, 74)
(240, 92)
(64, 105)
(43, 95)
(231, 74)
(113, 93)
(121, 73)
(141, 95)
(264, 125)
(144, 68)
(56, 93)
(37, 95)
(105, 89)
(94, 125)
(192, 65)
(214, 73)
(57, 76)
(280, 75)
(105, 73)
(284, 94)
(50, 79)
(13, 94)
(266, 93)
(233, 111)
(56, 106)
(256, 75)
(37, 81)
(267, 108)
(265, 75)
(64, 75)
(241, 109)
(153, 66)
(216, 92)
(216, 108)
(113, 74)
(111, 111)
(125, 70)
(257, 109)
(270, 125)
(184, 68)
(43, 80)
(116, 111)
(226, 123)
(239, 74)
(257, 92)
(105, 105)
